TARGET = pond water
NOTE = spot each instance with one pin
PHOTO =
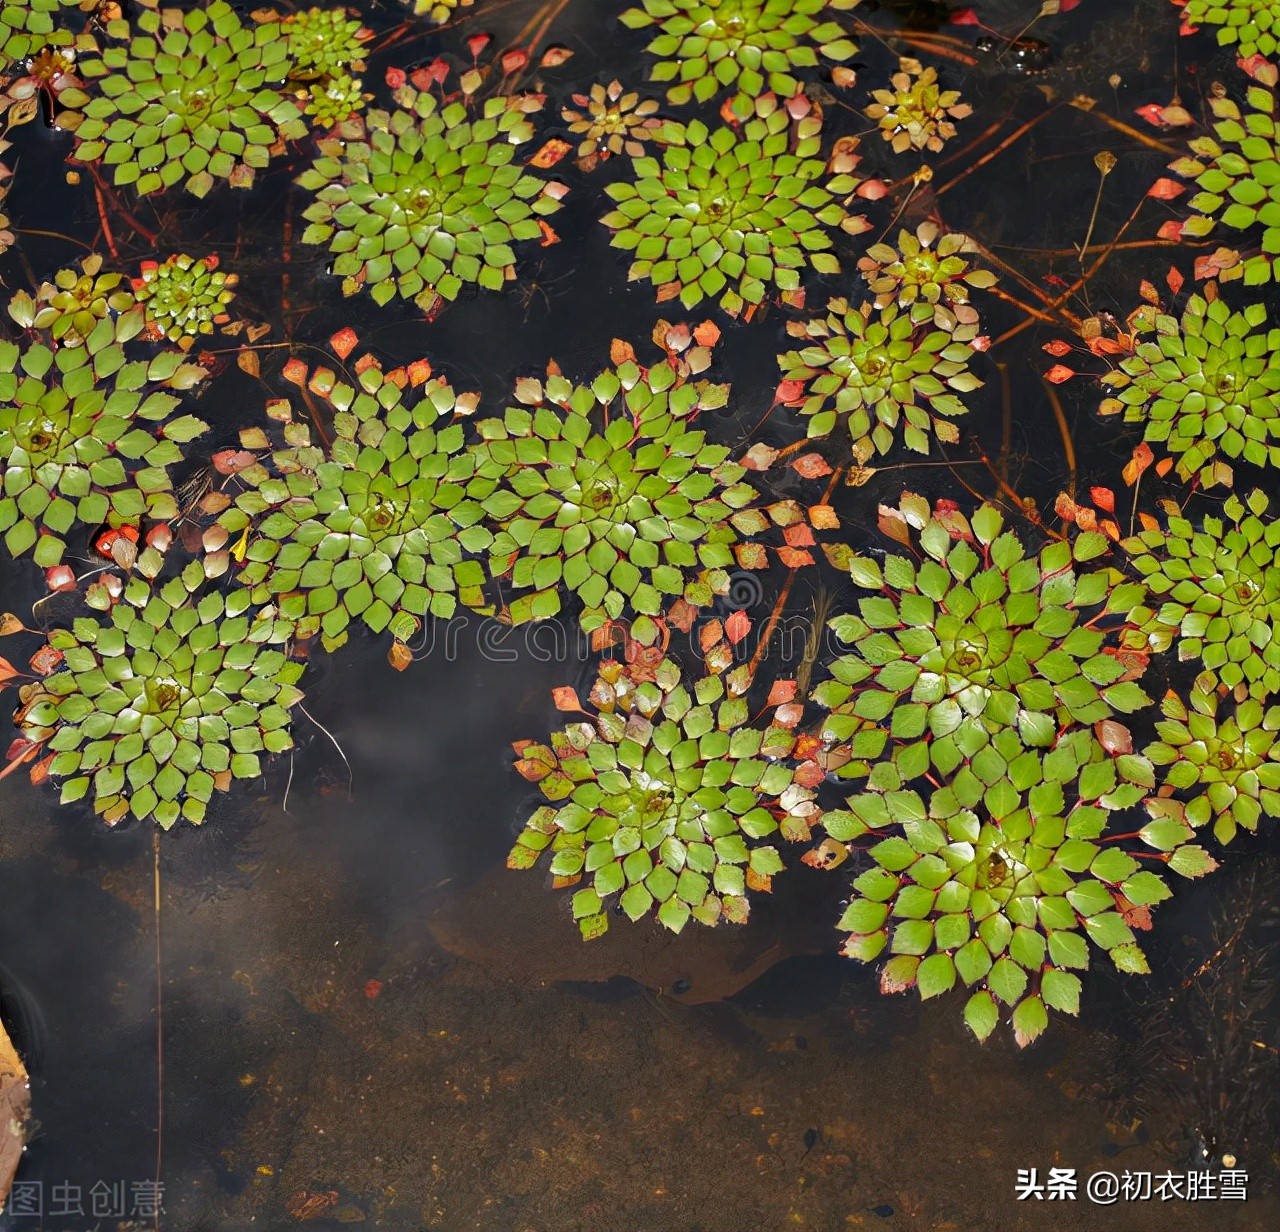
(364, 1017)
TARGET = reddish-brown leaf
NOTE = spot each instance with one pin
(566, 698)
(781, 691)
(552, 152)
(1165, 189)
(707, 334)
(1104, 498)
(1141, 459)
(789, 714)
(554, 57)
(344, 342)
(737, 627)
(514, 60)
(1114, 737)
(824, 517)
(1174, 280)
(789, 392)
(799, 536)
(710, 633)
(1171, 229)
(682, 614)
(231, 461)
(759, 457)
(399, 656)
(295, 372)
(1059, 373)
(45, 660)
(811, 466)
(1057, 348)
(794, 558)
(61, 577)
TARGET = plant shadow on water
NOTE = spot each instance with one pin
(368, 1016)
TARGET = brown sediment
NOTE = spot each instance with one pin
(513, 927)
(15, 1109)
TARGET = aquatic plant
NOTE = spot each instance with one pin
(375, 525)
(27, 27)
(1205, 385)
(194, 98)
(1252, 26)
(165, 700)
(730, 214)
(71, 306)
(184, 297)
(430, 199)
(325, 50)
(612, 122)
(877, 369)
(87, 435)
(927, 274)
(977, 638)
(1238, 174)
(49, 74)
(1218, 590)
(917, 113)
(1227, 768)
(753, 45)
(607, 490)
(1003, 876)
(660, 797)
(439, 11)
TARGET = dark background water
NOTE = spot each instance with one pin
(498, 1096)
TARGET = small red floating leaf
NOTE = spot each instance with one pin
(45, 660)
(1142, 458)
(62, 577)
(759, 457)
(1174, 280)
(799, 536)
(566, 698)
(1059, 373)
(794, 559)
(707, 334)
(396, 77)
(682, 614)
(295, 372)
(344, 342)
(811, 466)
(1171, 230)
(232, 461)
(1114, 737)
(964, 17)
(1165, 189)
(552, 152)
(554, 57)
(781, 691)
(1057, 348)
(1104, 498)
(789, 715)
(789, 392)
(399, 656)
(513, 61)
(477, 43)
(737, 627)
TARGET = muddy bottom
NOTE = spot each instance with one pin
(323, 1069)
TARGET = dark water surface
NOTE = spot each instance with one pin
(318, 1039)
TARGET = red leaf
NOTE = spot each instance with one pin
(793, 558)
(554, 57)
(1104, 498)
(45, 660)
(964, 17)
(344, 342)
(789, 392)
(372, 988)
(781, 691)
(789, 715)
(707, 334)
(1165, 189)
(1142, 458)
(7, 670)
(295, 372)
(477, 43)
(811, 466)
(1174, 280)
(62, 577)
(737, 627)
(552, 151)
(1171, 230)
(396, 77)
(513, 61)
(565, 698)
(1059, 373)
(1114, 737)
(1057, 348)
(799, 536)
(682, 614)
(232, 461)
(872, 190)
